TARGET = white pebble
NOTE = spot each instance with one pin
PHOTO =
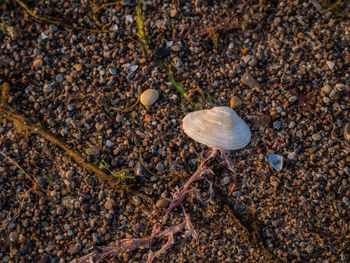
(330, 64)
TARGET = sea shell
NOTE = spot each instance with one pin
(149, 96)
(276, 161)
(219, 127)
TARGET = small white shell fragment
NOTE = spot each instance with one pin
(149, 96)
(43, 36)
(169, 43)
(114, 28)
(129, 18)
(276, 161)
(230, 46)
(219, 127)
(131, 69)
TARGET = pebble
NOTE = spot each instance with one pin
(226, 180)
(136, 199)
(293, 99)
(277, 125)
(347, 131)
(249, 80)
(149, 97)
(235, 102)
(109, 204)
(330, 64)
(78, 67)
(160, 167)
(112, 71)
(326, 89)
(60, 78)
(326, 100)
(177, 48)
(173, 12)
(74, 249)
(162, 203)
(253, 62)
(316, 137)
(14, 237)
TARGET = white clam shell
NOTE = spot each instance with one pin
(219, 127)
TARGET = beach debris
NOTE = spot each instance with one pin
(219, 127)
(149, 96)
(276, 161)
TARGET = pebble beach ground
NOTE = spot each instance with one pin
(284, 66)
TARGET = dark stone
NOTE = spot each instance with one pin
(162, 52)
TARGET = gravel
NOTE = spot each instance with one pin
(287, 63)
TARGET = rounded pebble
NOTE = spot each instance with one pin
(149, 97)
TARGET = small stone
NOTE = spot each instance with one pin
(330, 64)
(292, 156)
(149, 96)
(38, 63)
(274, 184)
(310, 248)
(246, 58)
(109, 143)
(237, 194)
(109, 204)
(48, 88)
(53, 28)
(316, 137)
(162, 52)
(226, 180)
(95, 237)
(326, 89)
(75, 249)
(176, 48)
(293, 99)
(249, 80)
(177, 63)
(14, 237)
(160, 167)
(131, 69)
(235, 102)
(173, 12)
(162, 203)
(253, 62)
(129, 18)
(169, 43)
(277, 125)
(347, 170)
(78, 67)
(326, 100)
(112, 71)
(136, 199)
(92, 150)
(339, 86)
(60, 78)
(245, 50)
